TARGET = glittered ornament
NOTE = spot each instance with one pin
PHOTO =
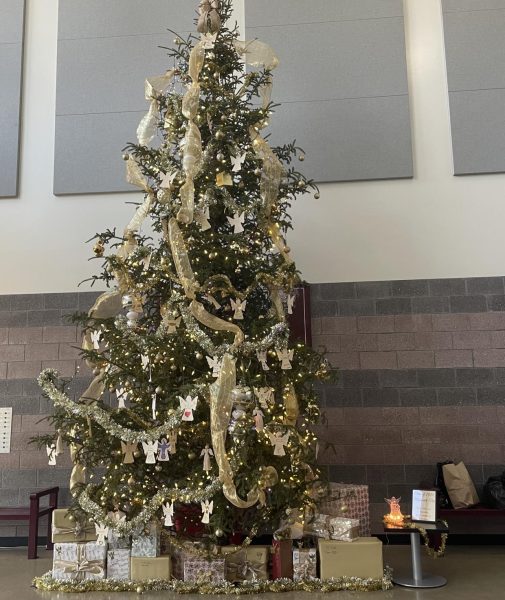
(99, 248)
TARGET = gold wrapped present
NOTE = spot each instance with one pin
(334, 528)
(304, 563)
(143, 569)
(74, 561)
(362, 558)
(65, 529)
(246, 564)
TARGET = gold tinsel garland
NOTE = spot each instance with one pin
(352, 584)
(431, 552)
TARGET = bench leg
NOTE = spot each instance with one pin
(49, 544)
(33, 528)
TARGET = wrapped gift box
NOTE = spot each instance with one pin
(116, 542)
(349, 501)
(363, 558)
(199, 569)
(334, 528)
(118, 564)
(282, 559)
(79, 561)
(304, 563)
(143, 569)
(147, 545)
(246, 564)
(66, 530)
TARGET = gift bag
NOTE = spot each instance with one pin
(460, 486)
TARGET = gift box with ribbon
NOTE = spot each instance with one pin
(79, 561)
(246, 564)
(118, 564)
(143, 569)
(282, 559)
(334, 528)
(304, 563)
(114, 539)
(147, 544)
(66, 529)
(199, 570)
(349, 501)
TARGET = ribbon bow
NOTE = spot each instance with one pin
(78, 531)
(209, 19)
(246, 569)
(81, 565)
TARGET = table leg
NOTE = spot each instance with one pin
(418, 580)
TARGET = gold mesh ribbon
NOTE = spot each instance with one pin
(273, 171)
(215, 323)
(209, 20)
(257, 54)
(81, 566)
(181, 260)
(154, 86)
(106, 306)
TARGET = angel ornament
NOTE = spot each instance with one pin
(102, 531)
(237, 221)
(290, 301)
(265, 396)
(262, 359)
(215, 364)
(168, 513)
(128, 450)
(163, 450)
(258, 415)
(285, 356)
(207, 453)
(172, 441)
(202, 218)
(207, 508)
(150, 450)
(238, 161)
(172, 325)
(278, 441)
(121, 395)
(238, 307)
(188, 405)
(51, 455)
(96, 336)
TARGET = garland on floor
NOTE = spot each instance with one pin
(352, 584)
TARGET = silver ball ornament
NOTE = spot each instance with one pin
(219, 533)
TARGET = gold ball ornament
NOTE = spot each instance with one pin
(219, 134)
(191, 455)
(139, 589)
(317, 195)
(71, 518)
(159, 390)
(219, 533)
(301, 158)
(158, 468)
(173, 368)
(137, 454)
(257, 171)
(344, 508)
(199, 356)
(126, 157)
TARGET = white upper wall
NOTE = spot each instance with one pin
(435, 225)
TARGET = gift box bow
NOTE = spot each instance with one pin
(247, 569)
(81, 565)
(78, 530)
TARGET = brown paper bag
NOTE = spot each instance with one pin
(460, 486)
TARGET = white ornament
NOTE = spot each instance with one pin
(207, 509)
(150, 450)
(202, 219)
(168, 513)
(209, 40)
(102, 531)
(278, 441)
(237, 221)
(117, 516)
(238, 307)
(265, 396)
(163, 450)
(258, 419)
(95, 338)
(172, 324)
(238, 161)
(128, 449)
(290, 302)
(172, 441)
(285, 356)
(145, 361)
(122, 395)
(262, 358)
(207, 452)
(153, 406)
(215, 365)
(51, 455)
(188, 405)
(168, 179)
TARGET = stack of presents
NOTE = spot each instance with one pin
(335, 543)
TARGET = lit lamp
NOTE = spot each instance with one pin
(395, 517)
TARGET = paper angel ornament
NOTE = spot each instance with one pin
(122, 395)
(238, 161)
(207, 452)
(145, 361)
(285, 356)
(118, 516)
(128, 450)
(290, 301)
(215, 364)
(238, 307)
(188, 405)
(209, 40)
(262, 359)
(168, 180)
(258, 419)
(237, 221)
(172, 441)
(172, 324)
(207, 508)
(150, 450)
(163, 450)
(265, 396)
(147, 261)
(96, 336)
(168, 513)
(278, 441)
(51, 455)
(102, 531)
(202, 218)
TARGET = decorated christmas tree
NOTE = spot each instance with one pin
(200, 401)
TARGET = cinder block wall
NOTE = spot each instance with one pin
(35, 334)
(422, 379)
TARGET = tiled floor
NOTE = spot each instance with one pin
(473, 573)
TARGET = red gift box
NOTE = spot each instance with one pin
(282, 559)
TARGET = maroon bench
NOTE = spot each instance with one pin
(32, 514)
(476, 520)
